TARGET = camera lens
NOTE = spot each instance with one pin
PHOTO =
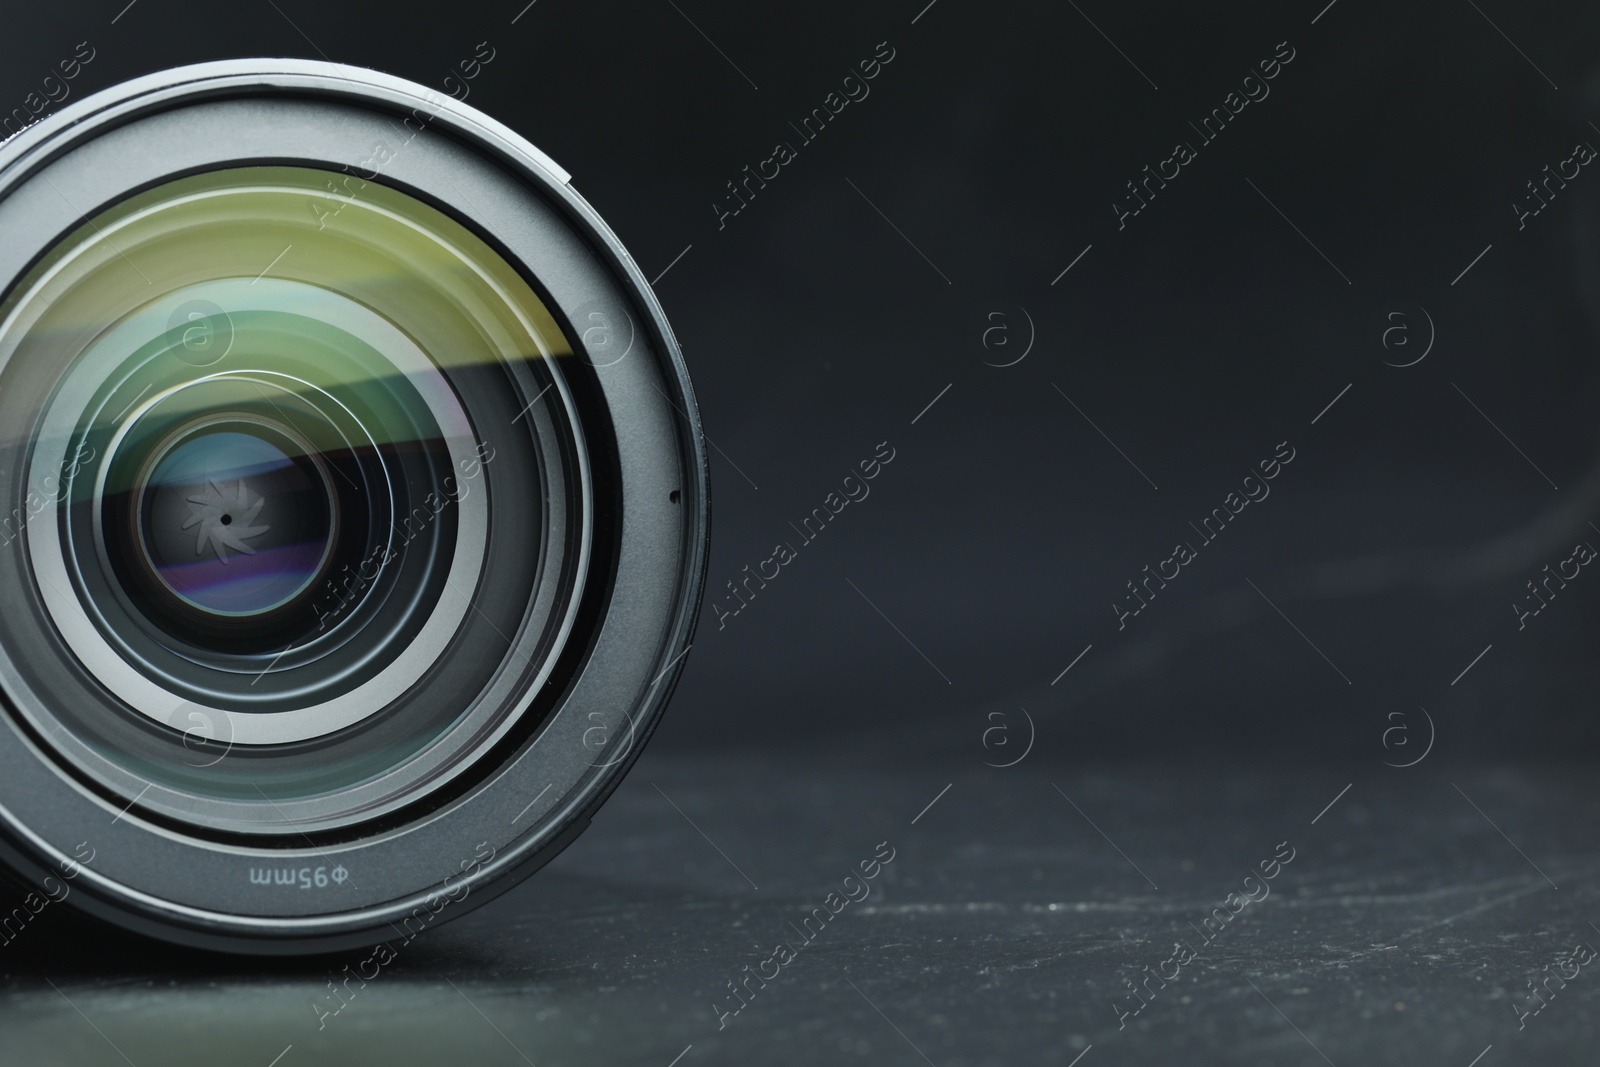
(355, 507)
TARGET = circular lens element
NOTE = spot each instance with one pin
(355, 505)
(201, 529)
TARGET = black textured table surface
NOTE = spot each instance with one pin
(1403, 921)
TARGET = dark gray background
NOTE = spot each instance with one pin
(823, 320)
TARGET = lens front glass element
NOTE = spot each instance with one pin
(302, 496)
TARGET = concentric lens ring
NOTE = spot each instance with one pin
(87, 634)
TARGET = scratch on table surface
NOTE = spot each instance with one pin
(1532, 887)
(1148, 906)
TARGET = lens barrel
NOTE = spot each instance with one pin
(353, 507)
